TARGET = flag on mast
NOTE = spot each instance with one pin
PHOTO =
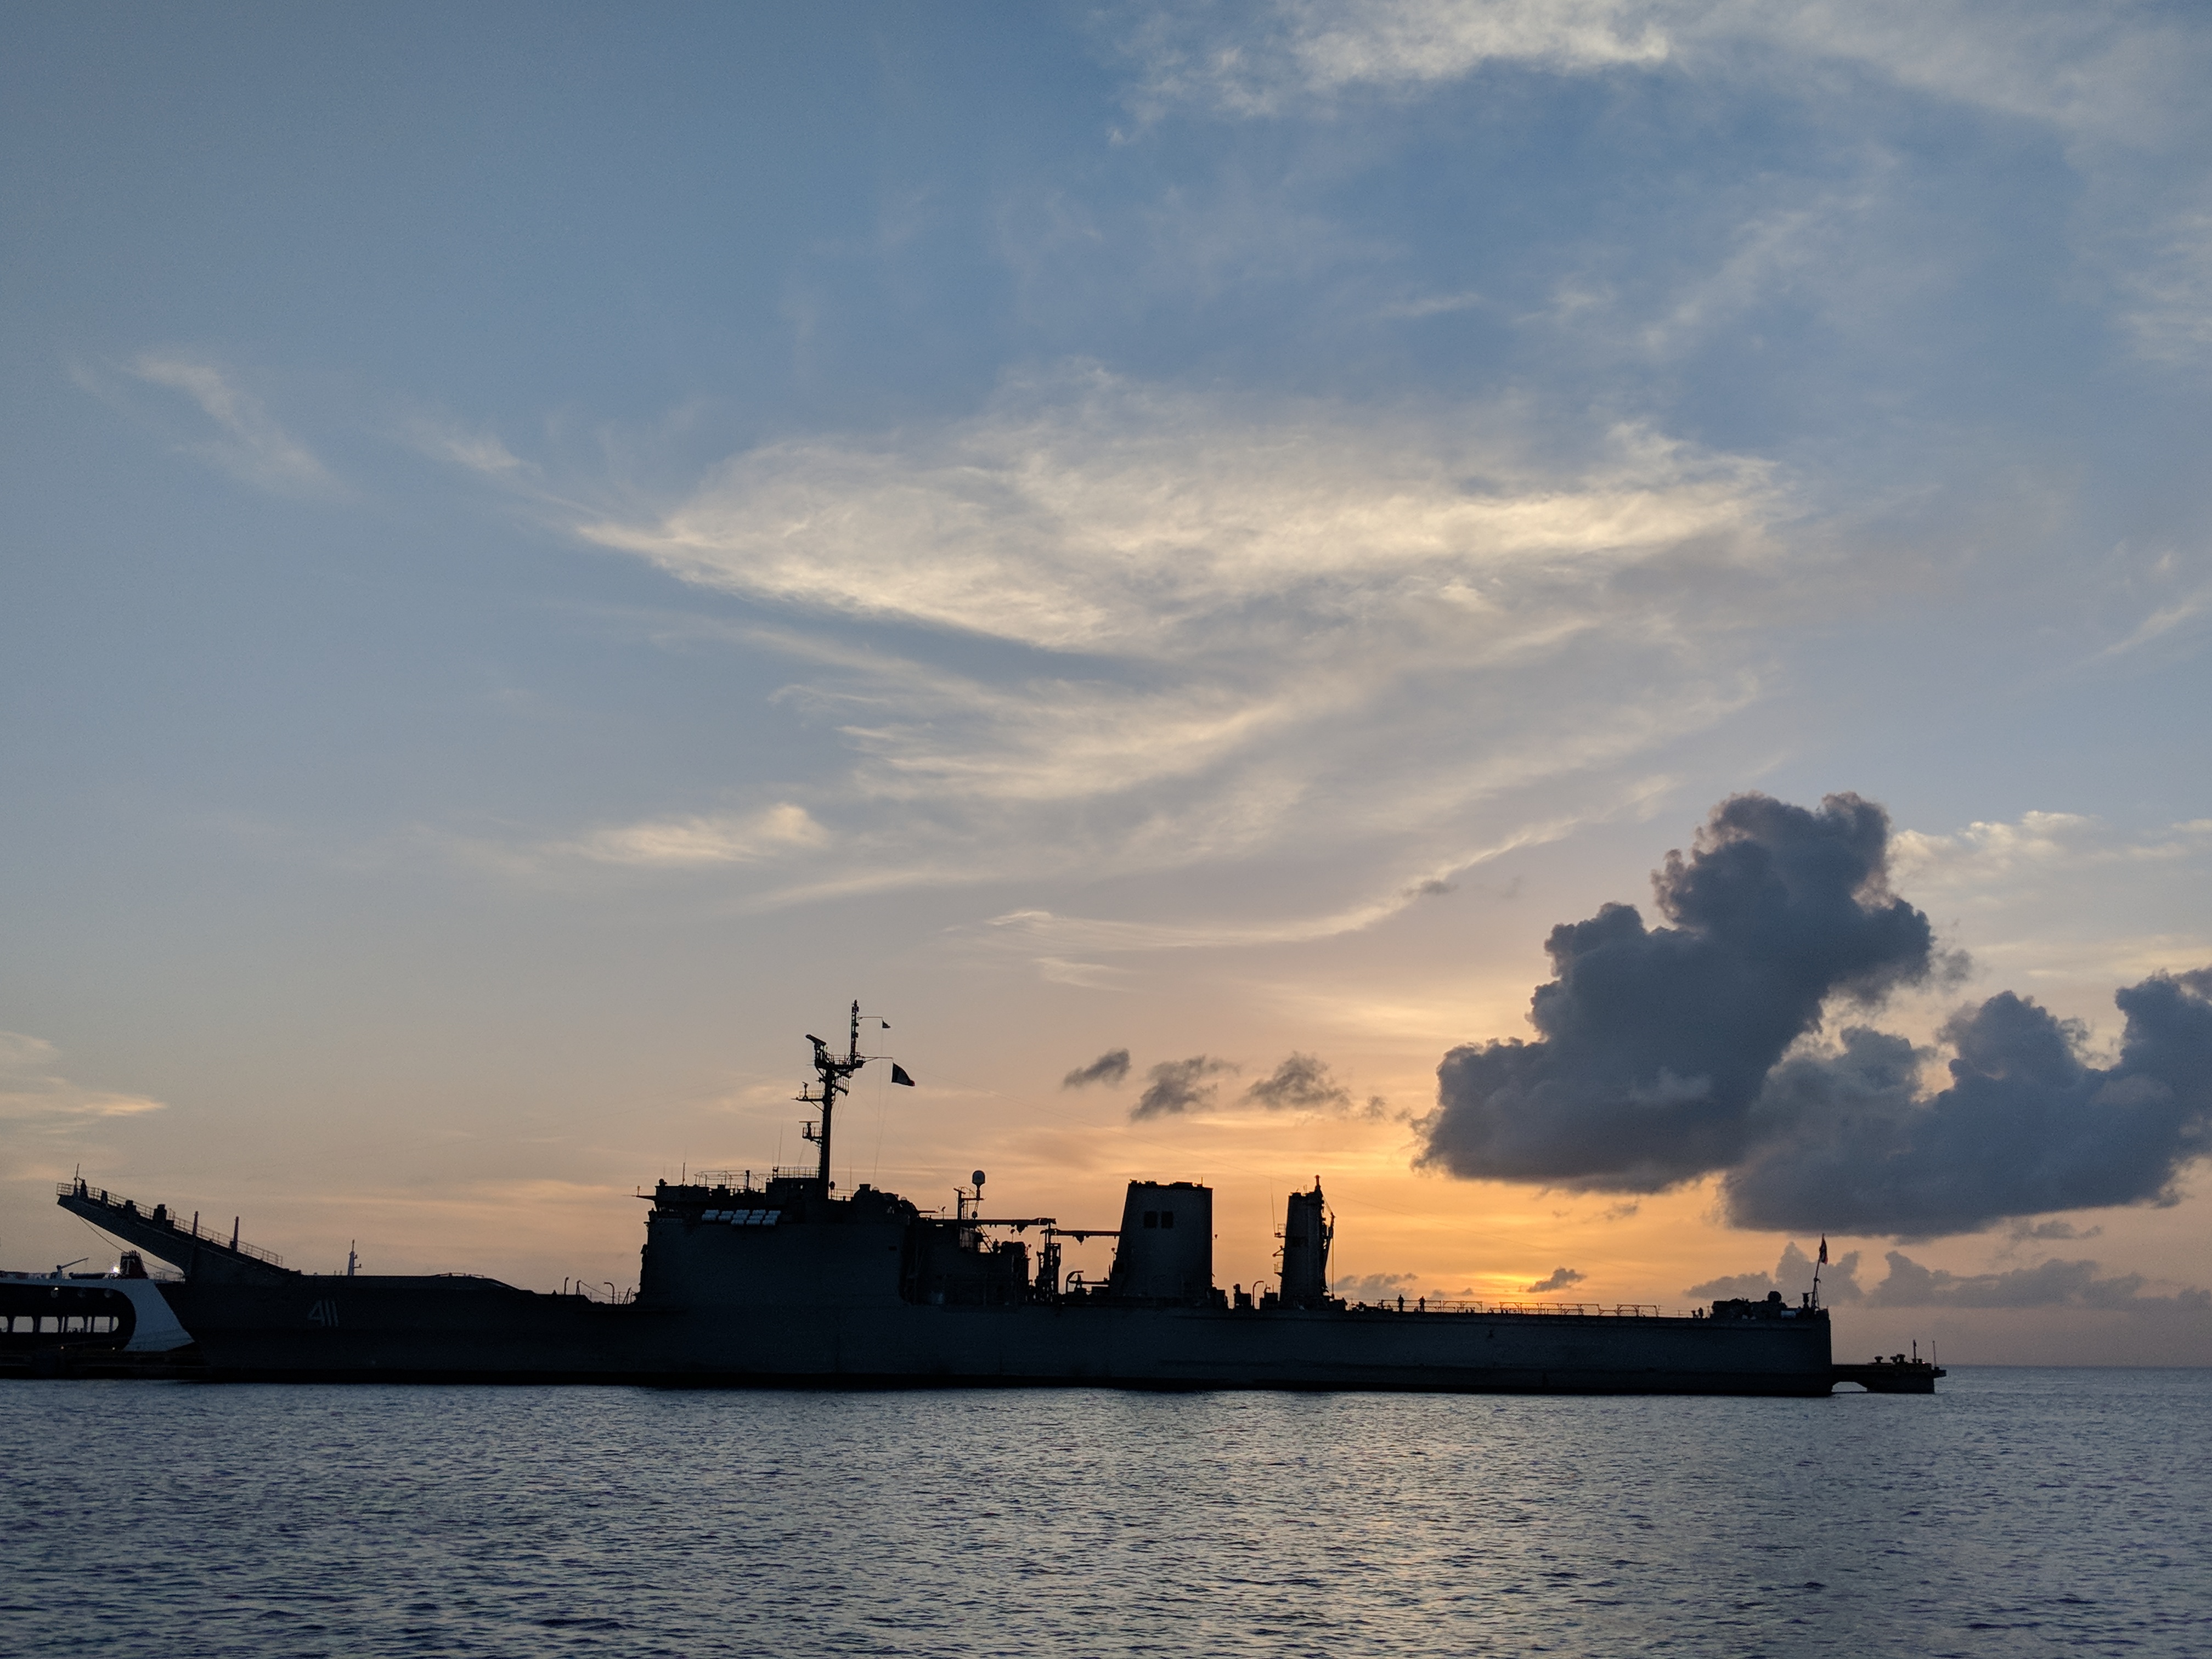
(1824, 1249)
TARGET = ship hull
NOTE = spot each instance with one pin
(402, 1330)
(1320, 1349)
(408, 1330)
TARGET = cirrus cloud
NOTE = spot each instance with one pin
(1106, 626)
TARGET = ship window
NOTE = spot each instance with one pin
(1167, 1217)
(49, 1325)
(1151, 1218)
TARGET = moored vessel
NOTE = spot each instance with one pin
(777, 1279)
(116, 1323)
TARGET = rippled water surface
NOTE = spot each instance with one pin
(2018, 1512)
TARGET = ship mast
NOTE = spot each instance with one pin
(836, 1075)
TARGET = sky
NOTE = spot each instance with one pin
(1586, 620)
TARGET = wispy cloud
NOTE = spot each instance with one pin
(2089, 71)
(2118, 87)
(34, 1095)
(251, 446)
(1087, 514)
(1432, 304)
(702, 838)
(1299, 49)
(2167, 618)
(1025, 929)
(478, 450)
(2169, 288)
(1140, 629)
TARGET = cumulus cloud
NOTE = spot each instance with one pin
(251, 446)
(1850, 1140)
(1175, 1086)
(1301, 1083)
(1672, 1053)
(2052, 1284)
(1110, 1067)
(1792, 1276)
(1561, 1279)
(1655, 1043)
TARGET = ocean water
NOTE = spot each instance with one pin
(2017, 1512)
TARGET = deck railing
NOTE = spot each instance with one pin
(748, 1181)
(167, 1219)
(1554, 1309)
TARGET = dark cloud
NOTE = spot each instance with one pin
(2052, 1284)
(2040, 1231)
(1111, 1066)
(1792, 1276)
(1654, 1043)
(1848, 1140)
(1561, 1279)
(1301, 1082)
(1661, 1055)
(1176, 1085)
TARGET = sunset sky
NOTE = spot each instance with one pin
(547, 549)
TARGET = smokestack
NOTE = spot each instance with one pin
(1308, 1230)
